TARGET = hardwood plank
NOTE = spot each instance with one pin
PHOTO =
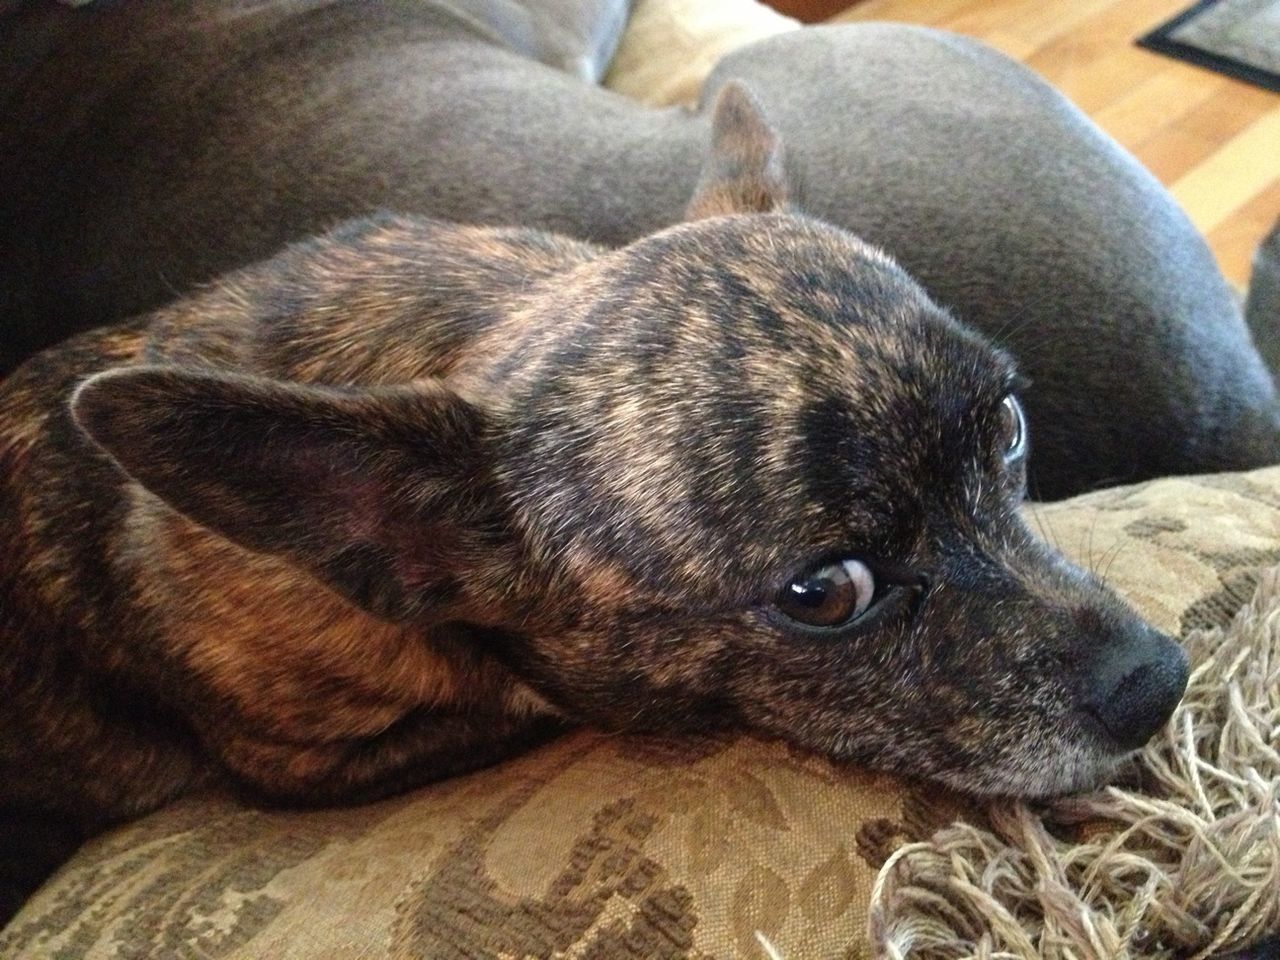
(1242, 168)
(1190, 140)
(1235, 239)
(1032, 25)
(1156, 100)
(905, 11)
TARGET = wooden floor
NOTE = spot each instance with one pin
(1214, 141)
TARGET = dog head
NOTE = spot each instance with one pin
(741, 471)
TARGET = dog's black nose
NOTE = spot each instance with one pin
(1133, 686)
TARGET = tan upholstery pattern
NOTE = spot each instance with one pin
(592, 846)
(596, 846)
(670, 46)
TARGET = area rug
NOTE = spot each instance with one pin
(1240, 38)
(1187, 867)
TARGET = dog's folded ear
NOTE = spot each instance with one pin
(744, 172)
(373, 491)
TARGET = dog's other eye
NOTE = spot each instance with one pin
(1013, 428)
(829, 595)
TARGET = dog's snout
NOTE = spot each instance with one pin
(1133, 686)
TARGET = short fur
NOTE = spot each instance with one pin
(148, 147)
(411, 496)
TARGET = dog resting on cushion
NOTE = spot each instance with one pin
(213, 132)
(411, 496)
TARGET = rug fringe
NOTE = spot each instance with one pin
(1189, 867)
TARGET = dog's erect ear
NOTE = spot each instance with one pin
(372, 491)
(744, 172)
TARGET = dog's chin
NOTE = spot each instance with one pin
(1035, 772)
(1070, 768)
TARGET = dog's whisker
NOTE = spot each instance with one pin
(1115, 552)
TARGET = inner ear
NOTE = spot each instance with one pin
(374, 492)
(744, 171)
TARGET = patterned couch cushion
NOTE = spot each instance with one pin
(601, 846)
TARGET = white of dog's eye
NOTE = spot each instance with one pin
(829, 595)
(1013, 428)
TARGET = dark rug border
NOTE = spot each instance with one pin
(1160, 41)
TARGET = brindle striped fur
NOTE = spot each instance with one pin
(412, 495)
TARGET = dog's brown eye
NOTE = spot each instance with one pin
(1013, 428)
(829, 595)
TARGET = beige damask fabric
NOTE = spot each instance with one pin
(602, 847)
(670, 46)
(591, 847)
(682, 830)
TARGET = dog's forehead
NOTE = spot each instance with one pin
(746, 393)
(775, 267)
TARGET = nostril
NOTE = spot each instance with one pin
(1138, 705)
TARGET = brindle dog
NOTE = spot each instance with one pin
(411, 496)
